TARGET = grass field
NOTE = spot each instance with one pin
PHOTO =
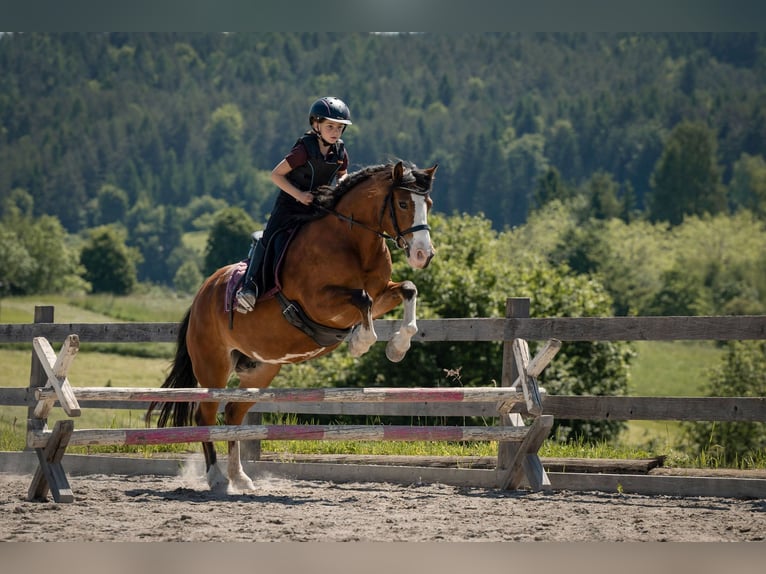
(660, 369)
(667, 369)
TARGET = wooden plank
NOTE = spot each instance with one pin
(741, 327)
(723, 409)
(526, 462)
(16, 397)
(657, 408)
(658, 485)
(37, 374)
(550, 464)
(515, 307)
(168, 464)
(50, 473)
(92, 332)
(324, 395)
(251, 449)
(422, 409)
(639, 328)
(543, 357)
(56, 369)
(528, 382)
(173, 435)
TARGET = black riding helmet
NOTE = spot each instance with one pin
(330, 108)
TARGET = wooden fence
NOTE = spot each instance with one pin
(517, 325)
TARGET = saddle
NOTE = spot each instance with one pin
(267, 277)
(269, 285)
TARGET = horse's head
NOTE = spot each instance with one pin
(409, 202)
(392, 201)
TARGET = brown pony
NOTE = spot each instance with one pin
(335, 279)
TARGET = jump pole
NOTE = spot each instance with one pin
(174, 435)
(331, 395)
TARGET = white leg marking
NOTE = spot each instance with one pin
(399, 344)
(237, 477)
(361, 339)
(216, 479)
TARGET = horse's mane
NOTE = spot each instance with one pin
(328, 196)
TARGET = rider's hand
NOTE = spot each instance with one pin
(306, 198)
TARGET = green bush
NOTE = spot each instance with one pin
(742, 374)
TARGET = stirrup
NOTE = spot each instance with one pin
(246, 298)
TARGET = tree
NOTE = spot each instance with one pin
(37, 256)
(686, 179)
(742, 374)
(18, 203)
(156, 232)
(549, 187)
(112, 205)
(110, 266)
(15, 263)
(630, 260)
(200, 213)
(229, 238)
(720, 259)
(748, 184)
(188, 278)
(561, 149)
(602, 192)
(225, 131)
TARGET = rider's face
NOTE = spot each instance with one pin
(330, 130)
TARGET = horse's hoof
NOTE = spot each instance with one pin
(217, 480)
(242, 483)
(395, 355)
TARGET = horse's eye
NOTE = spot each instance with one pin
(402, 205)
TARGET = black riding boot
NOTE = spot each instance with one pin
(248, 294)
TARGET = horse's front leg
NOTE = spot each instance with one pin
(404, 292)
(399, 344)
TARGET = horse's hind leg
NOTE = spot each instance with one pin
(212, 371)
(363, 336)
(206, 416)
(251, 375)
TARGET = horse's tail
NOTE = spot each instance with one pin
(181, 377)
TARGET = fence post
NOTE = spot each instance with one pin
(251, 449)
(515, 308)
(37, 375)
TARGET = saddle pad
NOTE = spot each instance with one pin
(235, 278)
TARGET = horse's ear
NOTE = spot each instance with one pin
(398, 172)
(431, 170)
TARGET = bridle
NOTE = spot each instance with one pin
(399, 239)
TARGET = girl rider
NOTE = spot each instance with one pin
(318, 158)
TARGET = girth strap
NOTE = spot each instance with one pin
(322, 335)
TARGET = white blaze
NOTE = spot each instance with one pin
(421, 249)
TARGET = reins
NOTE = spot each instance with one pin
(399, 239)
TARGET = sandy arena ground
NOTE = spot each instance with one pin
(167, 509)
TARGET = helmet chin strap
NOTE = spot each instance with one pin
(324, 141)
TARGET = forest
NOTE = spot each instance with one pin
(595, 173)
(132, 141)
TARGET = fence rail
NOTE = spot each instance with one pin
(744, 327)
(516, 325)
